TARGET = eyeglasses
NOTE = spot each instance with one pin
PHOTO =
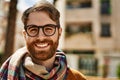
(48, 30)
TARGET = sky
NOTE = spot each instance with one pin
(24, 4)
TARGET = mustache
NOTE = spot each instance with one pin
(43, 41)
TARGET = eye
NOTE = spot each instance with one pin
(32, 29)
(49, 29)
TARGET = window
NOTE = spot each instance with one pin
(105, 7)
(79, 4)
(72, 29)
(105, 30)
(88, 65)
(86, 4)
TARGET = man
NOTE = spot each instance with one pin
(40, 59)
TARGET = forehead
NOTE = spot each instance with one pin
(40, 18)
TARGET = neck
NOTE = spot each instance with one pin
(47, 63)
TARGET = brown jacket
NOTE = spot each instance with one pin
(75, 75)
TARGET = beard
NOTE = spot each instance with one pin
(42, 55)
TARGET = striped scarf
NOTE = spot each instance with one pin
(13, 68)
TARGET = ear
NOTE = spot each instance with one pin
(24, 33)
(60, 31)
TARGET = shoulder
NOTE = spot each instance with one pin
(75, 75)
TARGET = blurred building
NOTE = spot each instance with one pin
(91, 38)
(90, 35)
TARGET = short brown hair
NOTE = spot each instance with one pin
(44, 6)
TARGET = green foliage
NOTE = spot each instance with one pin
(118, 71)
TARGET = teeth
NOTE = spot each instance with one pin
(42, 45)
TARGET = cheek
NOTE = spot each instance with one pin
(29, 40)
(55, 37)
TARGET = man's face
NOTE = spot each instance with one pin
(41, 47)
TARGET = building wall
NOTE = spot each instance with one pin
(93, 41)
(116, 22)
(79, 16)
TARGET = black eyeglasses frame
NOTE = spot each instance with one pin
(51, 25)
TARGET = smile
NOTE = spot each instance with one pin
(41, 45)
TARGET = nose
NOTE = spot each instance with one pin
(41, 35)
(41, 32)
